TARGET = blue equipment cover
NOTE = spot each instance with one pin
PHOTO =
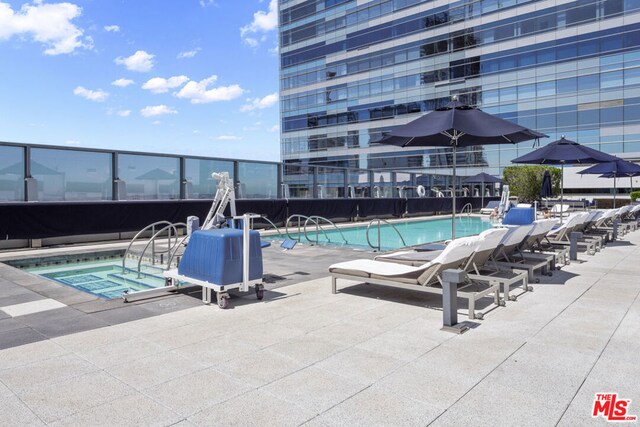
(519, 216)
(215, 256)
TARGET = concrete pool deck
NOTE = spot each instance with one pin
(368, 355)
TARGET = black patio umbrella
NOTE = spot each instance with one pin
(616, 169)
(546, 190)
(563, 152)
(458, 125)
(482, 178)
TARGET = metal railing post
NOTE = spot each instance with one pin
(314, 191)
(280, 180)
(345, 183)
(183, 181)
(450, 281)
(27, 173)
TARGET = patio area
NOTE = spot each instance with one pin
(368, 355)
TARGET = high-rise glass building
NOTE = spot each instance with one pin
(352, 70)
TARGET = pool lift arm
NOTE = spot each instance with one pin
(225, 195)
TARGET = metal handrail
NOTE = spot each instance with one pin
(465, 207)
(267, 219)
(286, 226)
(169, 246)
(315, 219)
(379, 221)
(175, 251)
(150, 226)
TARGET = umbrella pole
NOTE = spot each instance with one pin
(454, 141)
(562, 194)
(614, 191)
(482, 195)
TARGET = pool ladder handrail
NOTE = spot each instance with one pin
(315, 219)
(379, 221)
(469, 210)
(254, 215)
(153, 233)
(301, 229)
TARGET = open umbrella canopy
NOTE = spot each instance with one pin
(564, 151)
(482, 178)
(546, 190)
(458, 125)
(617, 168)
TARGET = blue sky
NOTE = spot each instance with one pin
(174, 76)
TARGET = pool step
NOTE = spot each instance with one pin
(127, 280)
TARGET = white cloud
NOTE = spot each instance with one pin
(205, 3)
(260, 103)
(92, 95)
(112, 28)
(140, 61)
(198, 93)
(156, 122)
(157, 110)
(123, 113)
(162, 85)
(189, 53)
(72, 142)
(227, 138)
(49, 24)
(122, 82)
(263, 22)
(274, 129)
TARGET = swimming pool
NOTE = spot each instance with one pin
(414, 232)
(104, 278)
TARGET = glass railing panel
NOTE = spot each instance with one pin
(257, 180)
(359, 184)
(330, 183)
(72, 175)
(149, 177)
(11, 174)
(199, 184)
(383, 185)
(299, 181)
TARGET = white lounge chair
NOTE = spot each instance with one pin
(531, 244)
(511, 244)
(425, 277)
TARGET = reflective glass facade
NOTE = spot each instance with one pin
(353, 70)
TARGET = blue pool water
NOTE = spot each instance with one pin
(104, 279)
(413, 232)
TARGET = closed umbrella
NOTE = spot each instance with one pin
(458, 125)
(546, 190)
(614, 169)
(482, 178)
(563, 152)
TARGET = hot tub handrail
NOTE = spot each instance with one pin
(379, 221)
(464, 208)
(150, 226)
(175, 250)
(315, 219)
(169, 227)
